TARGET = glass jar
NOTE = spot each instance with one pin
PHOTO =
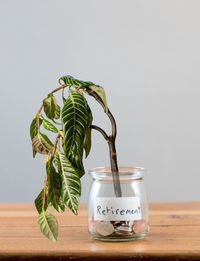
(112, 218)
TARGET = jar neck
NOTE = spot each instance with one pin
(125, 173)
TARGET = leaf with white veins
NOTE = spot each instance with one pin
(54, 184)
(74, 119)
(48, 225)
(71, 185)
(41, 143)
(101, 93)
(49, 126)
(50, 104)
(34, 130)
(57, 112)
(39, 202)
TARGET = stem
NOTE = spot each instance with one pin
(45, 185)
(99, 100)
(38, 116)
(114, 167)
(100, 130)
(59, 88)
(111, 142)
(63, 97)
(55, 146)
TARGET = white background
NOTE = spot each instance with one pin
(146, 54)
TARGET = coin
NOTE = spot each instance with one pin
(104, 228)
(139, 226)
(116, 223)
(124, 228)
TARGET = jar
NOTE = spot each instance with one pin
(112, 218)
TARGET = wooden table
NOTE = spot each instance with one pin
(174, 235)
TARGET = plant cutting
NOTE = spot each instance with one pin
(72, 125)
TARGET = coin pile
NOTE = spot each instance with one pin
(119, 228)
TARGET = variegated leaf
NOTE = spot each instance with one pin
(87, 139)
(34, 127)
(34, 130)
(101, 93)
(54, 185)
(71, 185)
(48, 225)
(34, 153)
(71, 81)
(49, 104)
(56, 160)
(57, 112)
(60, 207)
(49, 126)
(76, 161)
(74, 119)
(39, 202)
(41, 143)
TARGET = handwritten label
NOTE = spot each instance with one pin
(117, 209)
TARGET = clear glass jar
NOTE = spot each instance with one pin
(112, 218)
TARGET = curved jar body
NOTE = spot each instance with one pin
(112, 218)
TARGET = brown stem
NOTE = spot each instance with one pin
(38, 116)
(99, 100)
(114, 167)
(45, 185)
(111, 142)
(55, 146)
(59, 88)
(100, 130)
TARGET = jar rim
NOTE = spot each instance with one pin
(102, 173)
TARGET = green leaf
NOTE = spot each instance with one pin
(60, 208)
(34, 153)
(39, 202)
(87, 142)
(49, 104)
(34, 131)
(71, 81)
(54, 184)
(57, 112)
(56, 161)
(48, 225)
(76, 161)
(74, 119)
(57, 123)
(34, 127)
(63, 145)
(101, 93)
(71, 185)
(87, 139)
(41, 143)
(49, 126)
(63, 98)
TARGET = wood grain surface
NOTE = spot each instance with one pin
(174, 235)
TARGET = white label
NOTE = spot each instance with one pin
(117, 209)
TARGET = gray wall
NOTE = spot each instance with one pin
(146, 54)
